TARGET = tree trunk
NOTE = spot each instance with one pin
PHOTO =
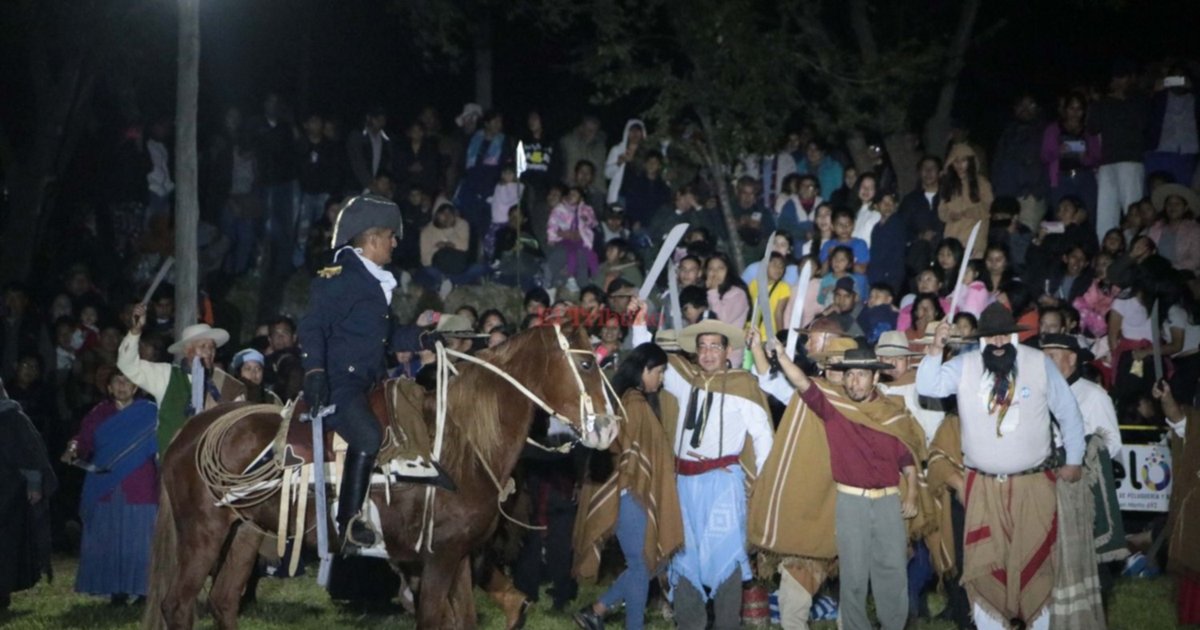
(483, 61)
(903, 153)
(187, 202)
(937, 128)
(717, 177)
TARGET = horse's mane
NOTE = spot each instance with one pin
(473, 402)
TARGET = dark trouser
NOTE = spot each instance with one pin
(354, 420)
(956, 595)
(691, 610)
(920, 569)
(547, 555)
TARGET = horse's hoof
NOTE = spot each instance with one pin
(522, 612)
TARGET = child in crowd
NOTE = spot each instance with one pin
(506, 195)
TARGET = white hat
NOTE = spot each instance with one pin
(894, 343)
(735, 337)
(199, 332)
(470, 110)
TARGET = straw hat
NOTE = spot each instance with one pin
(894, 343)
(733, 334)
(199, 332)
(1159, 198)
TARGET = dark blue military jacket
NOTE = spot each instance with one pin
(348, 329)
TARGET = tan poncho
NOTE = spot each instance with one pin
(793, 506)
(945, 461)
(646, 469)
(1185, 500)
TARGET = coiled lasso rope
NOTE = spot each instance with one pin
(248, 488)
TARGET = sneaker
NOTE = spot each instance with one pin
(445, 289)
(587, 619)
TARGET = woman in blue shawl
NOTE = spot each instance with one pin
(120, 493)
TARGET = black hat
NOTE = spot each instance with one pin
(1059, 341)
(846, 283)
(996, 320)
(363, 213)
(860, 359)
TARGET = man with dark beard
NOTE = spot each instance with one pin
(1006, 393)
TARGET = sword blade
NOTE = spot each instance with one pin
(962, 270)
(158, 278)
(799, 293)
(673, 295)
(664, 254)
(1156, 342)
(763, 304)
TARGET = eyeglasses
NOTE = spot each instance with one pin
(710, 347)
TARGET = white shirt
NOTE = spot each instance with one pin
(1177, 317)
(1099, 415)
(739, 416)
(1135, 319)
(929, 419)
(864, 223)
(159, 177)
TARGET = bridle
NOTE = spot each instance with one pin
(597, 430)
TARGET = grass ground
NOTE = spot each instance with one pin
(299, 604)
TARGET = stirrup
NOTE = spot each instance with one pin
(351, 541)
(421, 470)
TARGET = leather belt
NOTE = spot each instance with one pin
(870, 493)
(1002, 477)
(689, 467)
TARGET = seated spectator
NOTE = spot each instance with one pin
(519, 259)
(445, 253)
(687, 209)
(926, 309)
(727, 294)
(796, 206)
(973, 294)
(998, 269)
(1178, 238)
(845, 308)
(865, 218)
(1069, 279)
(645, 192)
(778, 292)
(843, 228)
(840, 265)
(1007, 230)
(505, 196)
(783, 246)
(1113, 242)
(928, 281)
(1056, 239)
(949, 259)
(818, 163)
(693, 305)
(247, 366)
(612, 225)
(880, 314)
(619, 262)
(887, 245)
(822, 230)
(569, 236)
(754, 222)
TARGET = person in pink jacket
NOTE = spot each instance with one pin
(1071, 155)
(569, 233)
(728, 298)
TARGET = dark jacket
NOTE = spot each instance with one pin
(275, 147)
(919, 215)
(358, 150)
(322, 167)
(348, 330)
(429, 177)
(1017, 168)
(1078, 287)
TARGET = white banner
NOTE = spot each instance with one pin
(1143, 476)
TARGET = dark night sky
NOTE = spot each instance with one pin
(361, 53)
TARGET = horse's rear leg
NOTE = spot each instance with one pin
(462, 597)
(226, 593)
(200, 548)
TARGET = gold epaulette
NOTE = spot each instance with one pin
(330, 272)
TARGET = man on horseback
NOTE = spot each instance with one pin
(344, 339)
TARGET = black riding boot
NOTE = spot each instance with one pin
(356, 482)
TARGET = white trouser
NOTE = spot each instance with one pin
(984, 621)
(1117, 186)
(795, 603)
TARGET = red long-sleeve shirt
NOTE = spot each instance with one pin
(859, 456)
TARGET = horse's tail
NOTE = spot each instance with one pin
(164, 563)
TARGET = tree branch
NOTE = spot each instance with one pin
(862, 32)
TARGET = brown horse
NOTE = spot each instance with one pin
(488, 421)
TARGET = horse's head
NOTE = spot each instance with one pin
(577, 390)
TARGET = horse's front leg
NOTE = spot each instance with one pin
(438, 578)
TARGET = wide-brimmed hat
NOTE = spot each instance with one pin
(931, 331)
(363, 213)
(827, 325)
(894, 343)
(470, 110)
(457, 326)
(1059, 341)
(1159, 198)
(834, 349)
(996, 320)
(733, 334)
(667, 339)
(199, 332)
(859, 359)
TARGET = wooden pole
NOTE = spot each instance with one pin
(187, 202)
